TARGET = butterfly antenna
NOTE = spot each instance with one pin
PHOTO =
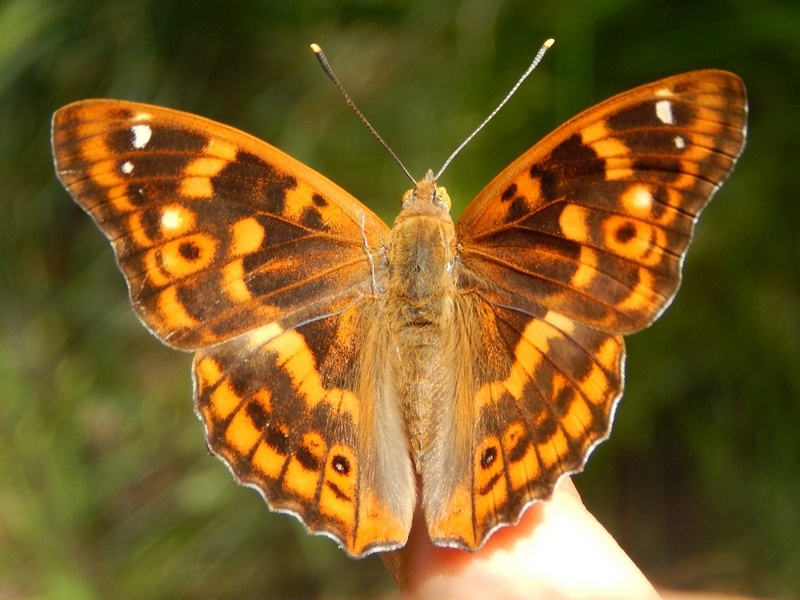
(329, 72)
(536, 60)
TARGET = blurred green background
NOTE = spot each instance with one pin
(106, 489)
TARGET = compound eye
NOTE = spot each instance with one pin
(443, 197)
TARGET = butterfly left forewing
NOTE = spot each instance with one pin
(210, 226)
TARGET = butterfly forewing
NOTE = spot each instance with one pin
(594, 221)
(211, 227)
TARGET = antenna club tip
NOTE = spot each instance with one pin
(315, 49)
(547, 43)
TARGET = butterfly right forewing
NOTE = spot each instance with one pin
(594, 221)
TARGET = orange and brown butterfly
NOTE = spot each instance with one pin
(344, 368)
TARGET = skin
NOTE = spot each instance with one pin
(557, 550)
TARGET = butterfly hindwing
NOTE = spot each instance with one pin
(294, 414)
(541, 394)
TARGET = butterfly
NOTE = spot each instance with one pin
(345, 369)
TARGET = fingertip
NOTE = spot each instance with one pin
(557, 548)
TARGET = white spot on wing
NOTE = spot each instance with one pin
(559, 321)
(263, 335)
(643, 199)
(171, 219)
(141, 135)
(664, 112)
(127, 167)
(680, 143)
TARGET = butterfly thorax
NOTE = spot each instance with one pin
(419, 309)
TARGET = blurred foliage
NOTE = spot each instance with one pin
(106, 489)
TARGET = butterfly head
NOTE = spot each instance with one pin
(426, 190)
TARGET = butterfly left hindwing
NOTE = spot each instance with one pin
(296, 414)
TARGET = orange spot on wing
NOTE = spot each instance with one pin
(529, 188)
(552, 450)
(612, 150)
(196, 177)
(587, 270)
(574, 223)
(642, 297)
(104, 173)
(596, 385)
(300, 481)
(268, 461)
(233, 282)
(196, 188)
(221, 149)
(298, 362)
(172, 313)
(187, 255)
(345, 401)
(247, 235)
(297, 200)
(224, 400)
(619, 168)
(609, 353)
(208, 371)
(526, 468)
(116, 198)
(205, 166)
(136, 231)
(577, 418)
(241, 435)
